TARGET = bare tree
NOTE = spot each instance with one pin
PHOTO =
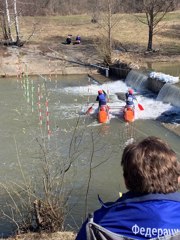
(10, 11)
(8, 21)
(107, 24)
(18, 42)
(95, 10)
(155, 11)
(4, 26)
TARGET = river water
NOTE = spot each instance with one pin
(51, 112)
(171, 68)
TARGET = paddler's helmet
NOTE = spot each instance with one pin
(130, 91)
(100, 91)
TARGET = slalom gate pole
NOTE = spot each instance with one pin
(39, 106)
(32, 96)
(27, 86)
(56, 70)
(49, 70)
(24, 86)
(47, 119)
(56, 66)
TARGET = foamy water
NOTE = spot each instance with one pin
(152, 108)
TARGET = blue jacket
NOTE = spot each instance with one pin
(139, 216)
(102, 99)
(130, 99)
(78, 38)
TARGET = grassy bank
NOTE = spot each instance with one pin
(50, 31)
(129, 31)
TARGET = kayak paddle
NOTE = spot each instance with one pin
(89, 109)
(140, 107)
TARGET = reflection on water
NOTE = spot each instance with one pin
(74, 135)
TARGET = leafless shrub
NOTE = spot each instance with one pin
(39, 202)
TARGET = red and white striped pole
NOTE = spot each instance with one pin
(49, 69)
(39, 105)
(47, 119)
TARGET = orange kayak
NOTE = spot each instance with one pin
(129, 114)
(103, 114)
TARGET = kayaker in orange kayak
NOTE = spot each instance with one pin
(102, 98)
(130, 99)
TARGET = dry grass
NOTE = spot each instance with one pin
(129, 31)
(53, 236)
(51, 31)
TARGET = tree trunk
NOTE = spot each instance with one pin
(151, 28)
(109, 30)
(16, 24)
(4, 27)
(150, 39)
(8, 21)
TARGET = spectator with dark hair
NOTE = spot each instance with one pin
(151, 207)
(68, 39)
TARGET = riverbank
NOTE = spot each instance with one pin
(44, 236)
(46, 53)
(30, 60)
(69, 59)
